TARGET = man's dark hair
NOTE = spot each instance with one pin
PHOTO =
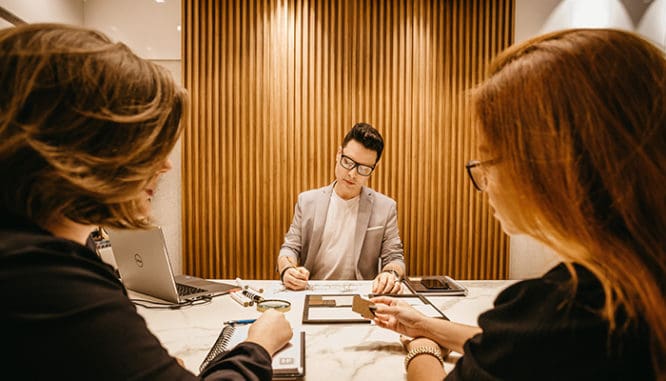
(366, 135)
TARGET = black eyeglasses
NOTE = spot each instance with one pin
(477, 174)
(348, 163)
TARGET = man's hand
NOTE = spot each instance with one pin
(386, 283)
(296, 278)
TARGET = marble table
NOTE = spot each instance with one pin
(333, 352)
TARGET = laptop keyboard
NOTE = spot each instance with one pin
(184, 290)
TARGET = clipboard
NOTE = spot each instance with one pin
(337, 308)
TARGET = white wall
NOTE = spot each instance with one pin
(647, 17)
(150, 29)
(31, 11)
(653, 23)
(529, 258)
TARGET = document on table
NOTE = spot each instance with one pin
(331, 309)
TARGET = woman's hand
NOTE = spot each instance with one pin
(398, 316)
(272, 331)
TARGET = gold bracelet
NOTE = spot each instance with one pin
(435, 352)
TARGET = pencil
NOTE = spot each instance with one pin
(257, 290)
(238, 299)
(239, 283)
(241, 294)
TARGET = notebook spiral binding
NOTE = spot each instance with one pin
(219, 346)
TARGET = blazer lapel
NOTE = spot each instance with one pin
(320, 219)
(364, 210)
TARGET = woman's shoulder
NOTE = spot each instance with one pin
(32, 256)
(555, 326)
(558, 293)
(34, 241)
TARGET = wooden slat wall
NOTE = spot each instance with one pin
(274, 86)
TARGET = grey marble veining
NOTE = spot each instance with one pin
(333, 352)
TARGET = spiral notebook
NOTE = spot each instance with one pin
(288, 363)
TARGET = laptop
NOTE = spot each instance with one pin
(144, 266)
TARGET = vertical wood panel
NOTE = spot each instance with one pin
(274, 86)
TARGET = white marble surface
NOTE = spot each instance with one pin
(333, 352)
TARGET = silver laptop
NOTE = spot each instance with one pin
(143, 263)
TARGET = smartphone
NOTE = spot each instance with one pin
(435, 284)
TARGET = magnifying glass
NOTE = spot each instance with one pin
(268, 304)
(273, 304)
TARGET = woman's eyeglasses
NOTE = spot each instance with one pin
(478, 174)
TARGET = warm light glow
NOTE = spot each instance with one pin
(588, 14)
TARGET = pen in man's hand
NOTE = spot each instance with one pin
(241, 321)
(304, 271)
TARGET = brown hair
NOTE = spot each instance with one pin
(368, 136)
(84, 125)
(578, 120)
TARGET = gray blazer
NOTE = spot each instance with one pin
(377, 236)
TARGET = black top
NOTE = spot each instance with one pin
(66, 316)
(533, 334)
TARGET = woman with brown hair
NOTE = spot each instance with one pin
(86, 127)
(571, 152)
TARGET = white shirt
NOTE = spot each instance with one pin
(335, 259)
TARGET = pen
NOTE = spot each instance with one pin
(241, 321)
(303, 270)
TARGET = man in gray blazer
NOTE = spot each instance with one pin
(346, 230)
